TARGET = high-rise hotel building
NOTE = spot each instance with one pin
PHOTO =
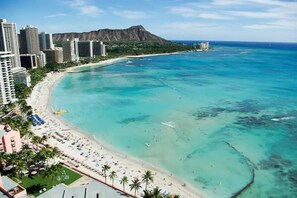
(85, 49)
(54, 55)
(70, 50)
(46, 41)
(29, 40)
(7, 92)
(9, 41)
(99, 48)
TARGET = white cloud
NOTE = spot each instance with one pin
(189, 30)
(189, 26)
(90, 10)
(196, 13)
(258, 15)
(85, 8)
(129, 14)
(280, 24)
(272, 2)
(239, 10)
(75, 3)
(225, 2)
(55, 15)
(254, 2)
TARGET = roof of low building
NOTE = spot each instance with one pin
(92, 189)
(8, 185)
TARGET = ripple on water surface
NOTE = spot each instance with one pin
(210, 118)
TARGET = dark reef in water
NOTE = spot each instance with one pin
(252, 121)
(134, 119)
(245, 106)
(208, 112)
(285, 121)
(283, 169)
(275, 161)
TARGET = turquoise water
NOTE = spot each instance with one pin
(231, 110)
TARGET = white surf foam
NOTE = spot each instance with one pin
(283, 118)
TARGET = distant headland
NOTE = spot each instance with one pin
(135, 33)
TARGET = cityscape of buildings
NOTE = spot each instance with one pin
(29, 49)
(19, 53)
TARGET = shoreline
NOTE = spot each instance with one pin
(97, 151)
(118, 59)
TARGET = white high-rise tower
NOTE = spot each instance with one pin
(9, 41)
(7, 92)
(46, 41)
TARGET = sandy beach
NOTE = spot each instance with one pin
(87, 154)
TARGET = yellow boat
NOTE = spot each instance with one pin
(59, 112)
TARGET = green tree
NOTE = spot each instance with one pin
(21, 91)
(43, 139)
(54, 172)
(105, 168)
(135, 185)
(44, 155)
(156, 192)
(20, 167)
(3, 159)
(147, 194)
(55, 152)
(27, 154)
(37, 75)
(36, 141)
(124, 181)
(52, 66)
(28, 135)
(112, 176)
(147, 177)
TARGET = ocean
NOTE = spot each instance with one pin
(211, 118)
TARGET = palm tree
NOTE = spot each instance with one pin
(20, 167)
(156, 192)
(43, 155)
(55, 152)
(29, 134)
(27, 154)
(36, 141)
(3, 158)
(124, 181)
(105, 168)
(43, 139)
(135, 185)
(147, 177)
(53, 172)
(112, 175)
(147, 194)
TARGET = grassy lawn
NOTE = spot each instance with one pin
(37, 182)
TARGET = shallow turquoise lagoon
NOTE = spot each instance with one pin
(210, 118)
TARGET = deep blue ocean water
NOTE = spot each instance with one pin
(211, 118)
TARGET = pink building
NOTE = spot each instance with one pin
(10, 139)
(11, 189)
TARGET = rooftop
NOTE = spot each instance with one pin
(2, 130)
(93, 189)
(11, 187)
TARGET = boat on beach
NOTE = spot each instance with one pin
(169, 124)
(60, 111)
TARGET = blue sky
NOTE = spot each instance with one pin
(237, 20)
